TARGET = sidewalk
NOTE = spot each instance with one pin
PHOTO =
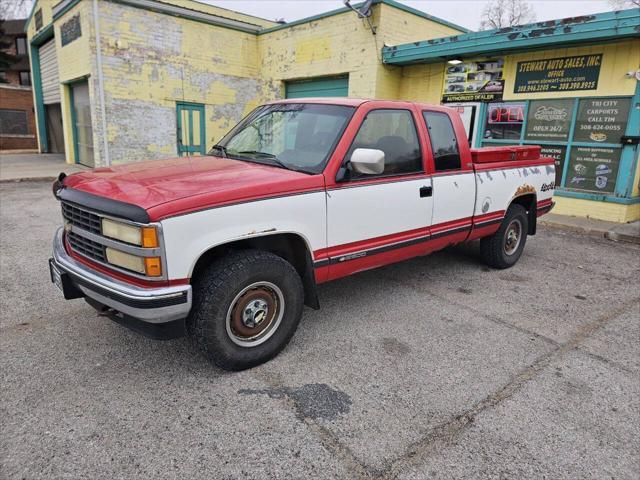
(620, 232)
(17, 167)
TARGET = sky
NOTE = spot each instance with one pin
(461, 12)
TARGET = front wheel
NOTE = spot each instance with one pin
(246, 307)
(503, 248)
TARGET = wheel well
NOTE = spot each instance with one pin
(289, 246)
(529, 203)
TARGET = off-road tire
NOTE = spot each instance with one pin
(493, 248)
(214, 292)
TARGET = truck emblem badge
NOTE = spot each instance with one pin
(352, 256)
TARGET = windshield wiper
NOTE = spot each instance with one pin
(256, 152)
(273, 160)
(268, 155)
(222, 149)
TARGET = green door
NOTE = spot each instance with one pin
(191, 133)
(81, 120)
(318, 87)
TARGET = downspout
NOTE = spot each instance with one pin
(96, 22)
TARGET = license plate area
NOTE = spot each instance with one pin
(56, 277)
(63, 281)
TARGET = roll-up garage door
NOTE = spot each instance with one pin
(318, 87)
(49, 73)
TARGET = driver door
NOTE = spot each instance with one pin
(373, 220)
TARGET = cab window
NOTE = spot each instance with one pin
(393, 132)
(444, 142)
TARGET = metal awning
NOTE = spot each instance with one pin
(553, 33)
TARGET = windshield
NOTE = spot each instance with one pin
(297, 136)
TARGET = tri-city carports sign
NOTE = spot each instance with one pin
(558, 74)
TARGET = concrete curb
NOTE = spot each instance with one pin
(622, 237)
(27, 179)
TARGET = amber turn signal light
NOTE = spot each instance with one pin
(153, 266)
(149, 237)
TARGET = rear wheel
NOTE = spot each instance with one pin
(504, 248)
(246, 307)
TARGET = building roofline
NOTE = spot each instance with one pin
(236, 11)
(338, 11)
(28, 20)
(599, 27)
(420, 13)
(63, 6)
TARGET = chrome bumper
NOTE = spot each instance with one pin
(152, 305)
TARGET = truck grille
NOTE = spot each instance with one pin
(81, 218)
(86, 247)
(83, 234)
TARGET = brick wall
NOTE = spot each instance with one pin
(15, 98)
(148, 69)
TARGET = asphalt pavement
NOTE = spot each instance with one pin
(438, 367)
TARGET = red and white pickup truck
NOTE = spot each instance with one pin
(227, 248)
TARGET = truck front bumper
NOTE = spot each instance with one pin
(128, 303)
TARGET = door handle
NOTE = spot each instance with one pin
(426, 191)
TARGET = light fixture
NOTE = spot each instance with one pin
(454, 61)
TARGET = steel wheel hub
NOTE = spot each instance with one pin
(512, 237)
(255, 314)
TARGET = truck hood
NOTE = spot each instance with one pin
(173, 187)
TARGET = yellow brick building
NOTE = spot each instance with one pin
(126, 80)
(140, 79)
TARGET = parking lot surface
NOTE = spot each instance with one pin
(437, 367)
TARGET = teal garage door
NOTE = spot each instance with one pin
(318, 87)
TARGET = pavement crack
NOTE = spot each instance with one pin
(355, 468)
(611, 363)
(448, 431)
(480, 313)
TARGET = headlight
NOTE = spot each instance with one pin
(125, 260)
(145, 237)
(149, 266)
(142, 236)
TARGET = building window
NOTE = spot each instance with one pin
(3, 77)
(21, 45)
(70, 30)
(583, 136)
(504, 121)
(25, 79)
(601, 120)
(549, 120)
(13, 122)
(38, 19)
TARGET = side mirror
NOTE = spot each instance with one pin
(368, 161)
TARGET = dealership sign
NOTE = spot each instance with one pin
(593, 169)
(549, 120)
(558, 74)
(479, 81)
(602, 120)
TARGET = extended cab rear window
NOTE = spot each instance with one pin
(444, 142)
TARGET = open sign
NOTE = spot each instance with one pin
(506, 113)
